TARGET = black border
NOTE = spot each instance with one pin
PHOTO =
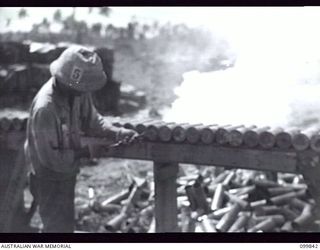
(162, 238)
(155, 3)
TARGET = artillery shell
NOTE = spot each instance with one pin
(265, 183)
(304, 218)
(206, 224)
(308, 138)
(243, 190)
(297, 203)
(152, 131)
(300, 141)
(179, 133)
(220, 178)
(274, 191)
(116, 198)
(228, 219)
(287, 227)
(267, 210)
(17, 124)
(152, 227)
(236, 135)
(115, 223)
(141, 127)
(282, 199)
(228, 178)
(194, 133)
(109, 208)
(239, 223)
(258, 203)
(234, 199)
(288, 213)
(208, 134)
(267, 139)
(165, 132)
(219, 213)
(315, 142)
(265, 226)
(5, 124)
(277, 218)
(218, 197)
(251, 137)
(284, 138)
(222, 134)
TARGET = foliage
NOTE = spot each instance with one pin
(57, 16)
(22, 13)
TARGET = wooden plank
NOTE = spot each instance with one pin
(281, 161)
(309, 166)
(166, 208)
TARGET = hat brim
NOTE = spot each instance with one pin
(96, 82)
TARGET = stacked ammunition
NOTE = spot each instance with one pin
(236, 202)
(12, 124)
(24, 68)
(228, 135)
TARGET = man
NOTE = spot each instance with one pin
(61, 111)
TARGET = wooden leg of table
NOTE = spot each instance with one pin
(12, 203)
(309, 167)
(166, 210)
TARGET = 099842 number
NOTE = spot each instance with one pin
(310, 245)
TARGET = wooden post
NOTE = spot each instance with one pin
(309, 167)
(166, 208)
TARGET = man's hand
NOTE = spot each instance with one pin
(97, 150)
(127, 136)
(82, 153)
(91, 151)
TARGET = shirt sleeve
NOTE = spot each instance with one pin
(95, 124)
(45, 132)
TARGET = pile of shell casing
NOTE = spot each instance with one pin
(245, 201)
(129, 211)
(227, 135)
(212, 200)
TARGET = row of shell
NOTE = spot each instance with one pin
(227, 135)
(12, 124)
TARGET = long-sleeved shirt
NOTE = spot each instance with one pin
(54, 129)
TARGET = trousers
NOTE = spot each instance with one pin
(55, 199)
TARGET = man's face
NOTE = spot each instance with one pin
(69, 91)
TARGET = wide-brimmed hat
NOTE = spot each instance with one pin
(79, 68)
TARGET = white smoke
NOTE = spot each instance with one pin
(275, 80)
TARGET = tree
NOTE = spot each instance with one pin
(104, 11)
(45, 23)
(96, 28)
(22, 13)
(8, 22)
(57, 16)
